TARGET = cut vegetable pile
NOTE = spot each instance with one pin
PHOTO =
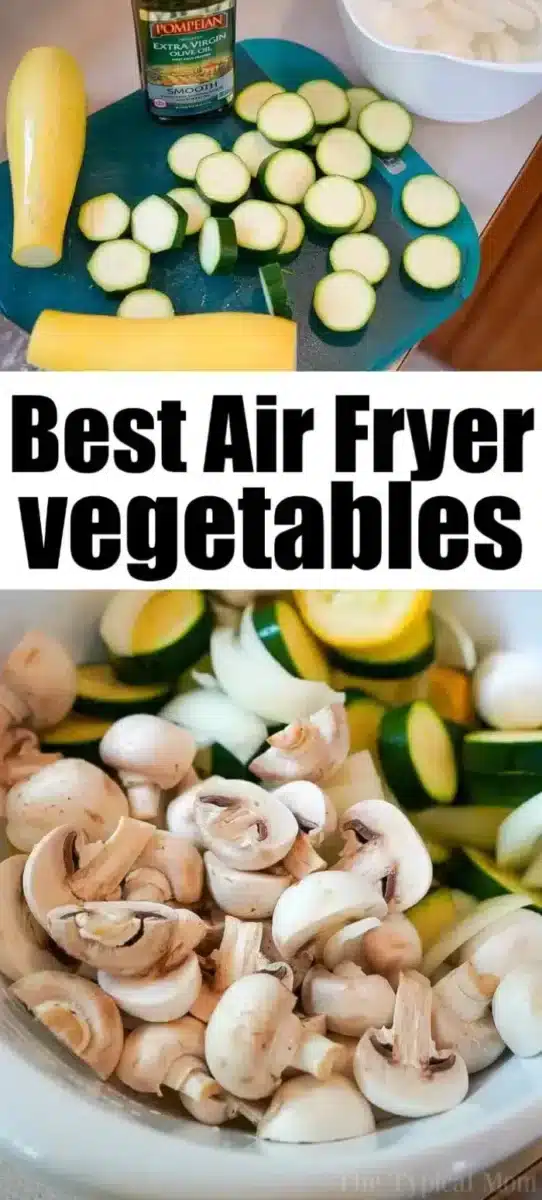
(216, 846)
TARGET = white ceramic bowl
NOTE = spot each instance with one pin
(93, 1141)
(437, 85)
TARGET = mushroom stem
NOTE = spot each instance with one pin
(410, 1034)
(143, 796)
(104, 872)
(204, 1007)
(189, 1078)
(303, 859)
(466, 992)
(146, 883)
(317, 1055)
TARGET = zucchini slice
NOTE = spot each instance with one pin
(333, 204)
(361, 620)
(462, 825)
(159, 224)
(275, 292)
(328, 101)
(358, 99)
(440, 855)
(104, 219)
(390, 692)
(496, 751)
(512, 788)
(218, 246)
(119, 266)
(188, 151)
(295, 231)
(450, 692)
(223, 179)
(286, 120)
(433, 261)
(344, 152)
(434, 915)
(402, 658)
(430, 201)
(101, 695)
(417, 756)
(196, 209)
(362, 252)
(289, 642)
(146, 302)
(260, 228)
(386, 126)
(287, 176)
(248, 102)
(369, 209)
(253, 149)
(152, 637)
(77, 737)
(344, 302)
(364, 715)
(477, 873)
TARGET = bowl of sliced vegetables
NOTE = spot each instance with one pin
(271, 889)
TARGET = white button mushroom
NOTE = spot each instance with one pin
(507, 689)
(20, 758)
(400, 1069)
(78, 1013)
(306, 1110)
(346, 944)
(382, 844)
(24, 945)
(124, 938)
(168, 1056)
(37, 683)
(311, 750)
(176, 867)
(316, 818)
(517, 1010)
(462, 1019)
(249, 894)
(244, 826)
(394, 946)
(72, 792)
(156, 997)
(150, 755)
(180, 817)
(351, 1000)
(319, 905)
(510, 942)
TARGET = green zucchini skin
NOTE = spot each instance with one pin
(268, 630)
(479, 880)
(511, 789)
(166, 664)
(112, 710)
(496, 757)
(404, 668)
(397, 758)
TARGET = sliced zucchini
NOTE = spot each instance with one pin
(344, 152)
(433, 261)
(218, 246)
(386, 126)
(223, 179)
(519, 840)
(289, 642)
(188, 151)
(450, 692)
(76, 737)
(495, 751)
(478, 873)
(362, 252)
(401, 658)
(159, 224)
(417, 756)
(440, 855)
(358, 99)
(369, 209)
(344, 302)
(430, 201)
(248, 102)
(253, 149)
(316, 138)
(146, 303)
(333, 205)
(328, 101)
(295, 231)
(104, 218)
(287, 176)
(391, 692)
(512, 788)
(462, 825)
(364, 715)
(152, 637)
(434, 915)
(286, 120)
(260, 228)
(101, 695)
(275, 291)
(196, 209)
(119, 266)
(357, 621)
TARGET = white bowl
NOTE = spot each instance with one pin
(437, 85)
(93, 1141)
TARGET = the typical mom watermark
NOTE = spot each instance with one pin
(484, 1185)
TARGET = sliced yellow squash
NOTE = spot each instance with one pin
(76, 737)
(403, 658)
(364, 719)
(389, 692)
(361, 620)
(436, 913)
(284, 635)
(450, 692)
(100, 694)
(152, 637)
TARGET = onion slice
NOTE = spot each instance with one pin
(211, 717)
(454, 647)
(484, 915)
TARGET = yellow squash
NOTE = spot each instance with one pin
(46, 128)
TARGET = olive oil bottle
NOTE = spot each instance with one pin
(186, 57)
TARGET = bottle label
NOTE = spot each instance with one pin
(189, 65)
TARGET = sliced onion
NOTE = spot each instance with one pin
(454, 647)
(519, 838)
(211, 717)
(484, 915)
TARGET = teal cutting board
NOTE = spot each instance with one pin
(126, 153)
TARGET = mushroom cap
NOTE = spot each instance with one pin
(312, 808)
(78, 1013)
(121, 937)
(69, 791)
(512, 941)
(517, 1010)
(478, 1042)
(346, 944)
(407, 1091)
(151, 1051)
(23, 943)
(246, 827)
(249, 894)
(42, 674)
(320, 903)
(252, 1036)
(307, 1110)
(311, 750)
(178, 860)
(148, 746)
(392, 947)
(163, 998)
(180, 817)
(351, 1001)
(389, 849)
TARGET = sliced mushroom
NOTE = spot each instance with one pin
(168, 1056)
(400, 1069)
(150, 755)
(63, 868)
(307, 1110)
(393, 947)
(245, 827)
(126, 939)
(180, 817)
(303, 859)
(239, 953)
(37, 683)
(517, 1010)
(178, 868)
(382, 844)
(205, 1003)
(156, 997)
(254, 1035)
(351, 1000)
(319, 905)
(312, 809)
(249, 894)
(462, 1019)
(24, 945)
(299, 964)
(72, 792)
(217, 1110)
(311, 750)
(346, 944)
(510, 942)
(78, 1013)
